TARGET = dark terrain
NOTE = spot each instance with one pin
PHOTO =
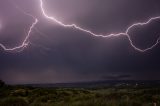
(100, 93)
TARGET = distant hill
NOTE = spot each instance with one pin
(100, 84)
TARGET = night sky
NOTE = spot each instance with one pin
(57, 54)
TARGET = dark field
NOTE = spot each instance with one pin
(102, 96)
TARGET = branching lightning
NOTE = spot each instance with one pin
(25, 41)
(126, 33)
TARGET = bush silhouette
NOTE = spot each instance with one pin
(13, 101)
(2, 83)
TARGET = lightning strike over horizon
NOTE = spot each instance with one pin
(126, 33)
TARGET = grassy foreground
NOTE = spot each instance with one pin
(29, 96)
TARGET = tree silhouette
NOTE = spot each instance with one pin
(2, 83)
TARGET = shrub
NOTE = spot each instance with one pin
(2, 83)
(13, 101)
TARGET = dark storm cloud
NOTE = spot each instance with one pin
(58, 54)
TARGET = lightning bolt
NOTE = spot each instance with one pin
(25, 41)
(126, 33)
